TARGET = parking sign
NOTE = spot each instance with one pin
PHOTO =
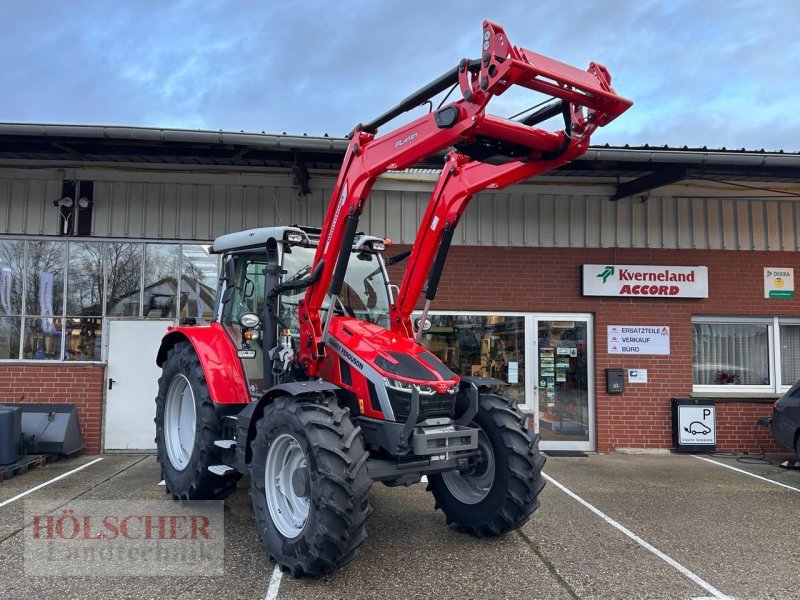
(697, 425)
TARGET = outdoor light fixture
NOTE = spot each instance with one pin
(75, 207)
(66, 202)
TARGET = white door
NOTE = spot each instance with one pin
(132, 384)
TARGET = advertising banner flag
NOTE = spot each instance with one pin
(46, 301)
(6, 281)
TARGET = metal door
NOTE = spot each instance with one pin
(132, 384)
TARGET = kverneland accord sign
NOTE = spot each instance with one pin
(645, 281)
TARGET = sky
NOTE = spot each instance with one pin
(700, 72)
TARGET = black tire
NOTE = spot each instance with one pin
(797, 444)
(513, 493)
(194, 481)
(338, 493)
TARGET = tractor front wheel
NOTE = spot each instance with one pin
(186, 428)
(500, 489)
(309, 484)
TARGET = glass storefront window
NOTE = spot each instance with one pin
(123, 279)
(486, 346)
(83, 340)
(198, 281)
(12, 261)
(730, 354)
(42, 339)
(790, 353)
(85, 279)
(9, 337)
(44, 276)
(56, 294)
(160, 281)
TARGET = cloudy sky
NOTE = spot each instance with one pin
(701, 72)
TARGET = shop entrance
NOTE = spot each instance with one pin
(544, 359)
(564, 388)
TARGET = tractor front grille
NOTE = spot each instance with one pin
(438, 405)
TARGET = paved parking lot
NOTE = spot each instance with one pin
(610, 526)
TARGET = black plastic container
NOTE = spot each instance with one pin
(10, 430)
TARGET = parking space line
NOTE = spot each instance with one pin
(743, 472)
(274, 584)
(46, 483)
(618, 526)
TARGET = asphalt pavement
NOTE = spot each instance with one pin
(610, 526)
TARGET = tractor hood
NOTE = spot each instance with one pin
(393, 356)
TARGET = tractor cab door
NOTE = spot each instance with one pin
(248, 297)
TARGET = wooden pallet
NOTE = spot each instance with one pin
(23, 465)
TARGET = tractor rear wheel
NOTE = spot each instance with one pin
(309, 484)
(186, 428)
(500, 490)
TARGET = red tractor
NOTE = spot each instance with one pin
(311, 378)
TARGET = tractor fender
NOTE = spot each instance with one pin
(217, 354)
(482, 381)
(250, 414)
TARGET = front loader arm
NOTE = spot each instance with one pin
(464, 124)
(462, 177)
(460, 180)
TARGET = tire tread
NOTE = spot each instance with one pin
(524, 463)
(342, 505)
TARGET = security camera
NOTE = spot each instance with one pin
(85, 203)
(66, 202)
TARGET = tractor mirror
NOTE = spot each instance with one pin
(229, 277)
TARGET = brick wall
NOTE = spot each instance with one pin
(549, 280)
(81, 385)
(542, 280)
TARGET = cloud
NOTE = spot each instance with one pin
(701, 73)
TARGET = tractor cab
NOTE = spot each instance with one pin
(265, 274)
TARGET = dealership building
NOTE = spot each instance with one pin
(598, 292)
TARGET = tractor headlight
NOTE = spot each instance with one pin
(404, 386)
(294, 237)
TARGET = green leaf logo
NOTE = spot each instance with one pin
(607, 272)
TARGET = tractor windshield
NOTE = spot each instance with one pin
(364, 295)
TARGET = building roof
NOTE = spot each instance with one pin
(636, 169)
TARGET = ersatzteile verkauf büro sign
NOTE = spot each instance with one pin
(638, 339)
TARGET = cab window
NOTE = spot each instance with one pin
(248, 297)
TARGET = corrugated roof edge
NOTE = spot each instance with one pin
(153, 134)
(646, 153)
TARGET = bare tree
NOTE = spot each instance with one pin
(123, 271)
(85, 279)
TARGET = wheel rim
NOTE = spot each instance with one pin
(287, 485)
(180, 422)
(472, 486)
